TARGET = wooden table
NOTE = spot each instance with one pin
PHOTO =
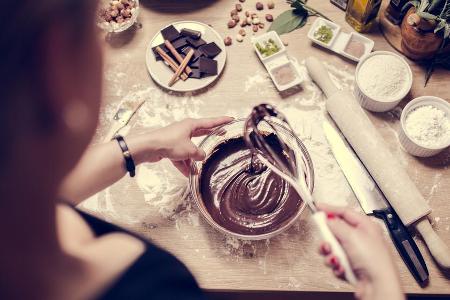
(286, 263)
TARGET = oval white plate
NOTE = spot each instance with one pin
(162, 74)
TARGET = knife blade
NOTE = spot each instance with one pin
(372, 200)
(126, 110)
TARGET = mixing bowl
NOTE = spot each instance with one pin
(232, 130)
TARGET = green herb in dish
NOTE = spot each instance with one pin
(324, 34)
(268, 48)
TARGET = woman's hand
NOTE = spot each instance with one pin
(367, 251)
(174, 142)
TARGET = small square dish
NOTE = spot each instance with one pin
(324, 32)
(285, 75)
(357, 46)
(268, 45)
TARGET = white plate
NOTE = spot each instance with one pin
(162, 74)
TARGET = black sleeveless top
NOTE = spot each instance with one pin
(156, 274)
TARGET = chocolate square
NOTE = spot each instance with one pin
(207, 66)
(195, 57)
(170, 33)
(196, 43)
(179, 43)
(194, 34)
(211, 50)
(196, 74)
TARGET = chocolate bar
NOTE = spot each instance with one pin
(170, 33)
(194, 34)
(197, 54)
(207, 66)
(211, 50)
(180, 43)
(196, 43)
(196, 74)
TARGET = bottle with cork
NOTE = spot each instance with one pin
(361, 14)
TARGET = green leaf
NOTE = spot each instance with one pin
(440, 25)
(289, 21)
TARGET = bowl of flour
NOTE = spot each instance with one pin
(383, 79)
(425, 126)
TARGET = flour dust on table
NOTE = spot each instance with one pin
(166, 192)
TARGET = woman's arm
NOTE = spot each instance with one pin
(103, 165)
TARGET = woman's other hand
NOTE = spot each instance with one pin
(367, 251)
(174, 142)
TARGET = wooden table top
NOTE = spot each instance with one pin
(290, 261)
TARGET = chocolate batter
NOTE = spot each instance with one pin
(242, 195)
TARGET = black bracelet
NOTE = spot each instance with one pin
(129, 162)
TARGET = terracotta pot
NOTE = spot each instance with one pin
(418, 44)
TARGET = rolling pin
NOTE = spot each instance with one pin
(392, 178)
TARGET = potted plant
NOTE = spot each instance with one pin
(425, 28)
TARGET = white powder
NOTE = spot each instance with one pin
(428, 126)
(383, 77)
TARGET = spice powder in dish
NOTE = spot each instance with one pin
(355, 48)
(284, 74)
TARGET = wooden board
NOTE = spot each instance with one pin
(290, 262)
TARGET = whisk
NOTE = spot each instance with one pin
(291, 169)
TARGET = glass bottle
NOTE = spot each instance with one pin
(394, 11)
(361, 14)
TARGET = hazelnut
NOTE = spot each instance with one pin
(270, 4)
(126, 13)
(254, 15)
(238, 7)
(231, 23)
(242, 32)
(114, 13)
(285, 42)
(261, 25)
(247, 13)
(269, 18)
(120, 19)
(255, 21)
(120, 6)
(249, 20)
(236, 18)
(242, 1)
(228, 41)
(244, 23)
(259, 6)
(233, 12)
(239, 38)
(255, 28)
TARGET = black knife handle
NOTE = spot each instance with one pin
(404, 243)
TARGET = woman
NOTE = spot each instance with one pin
(51, 76)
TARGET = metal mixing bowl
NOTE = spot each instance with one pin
(235, 129)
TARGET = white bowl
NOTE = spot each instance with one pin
(408, 143)
(117, 28)
(381, 105)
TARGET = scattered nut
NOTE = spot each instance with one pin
(285, 42)
(238, 7)
(259, 6)
(239, 38)
(255, 21)
(255, 28)
(249, 20)
(269, 18)
(254, 15)
(247, 13)
(233, 12)
(270, 4)
(231, 23)
(242, 32)
(236, 18)
(242, 1)
(228, 41)
(244, 23)
(261, 25)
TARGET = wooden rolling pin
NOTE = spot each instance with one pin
(371, 148)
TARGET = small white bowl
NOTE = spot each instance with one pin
(410, 145)
(381, 105)
(116, 27)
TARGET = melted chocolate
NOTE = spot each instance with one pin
(241, 194)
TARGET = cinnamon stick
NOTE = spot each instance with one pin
(181, 67)
(177, 55)
(170, 62)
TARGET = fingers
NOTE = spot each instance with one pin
(341, 230)
(351, 217)
(208, 123)
(325, 249)
(196, 153)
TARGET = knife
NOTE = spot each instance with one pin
(127, 109)
(373, 202)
